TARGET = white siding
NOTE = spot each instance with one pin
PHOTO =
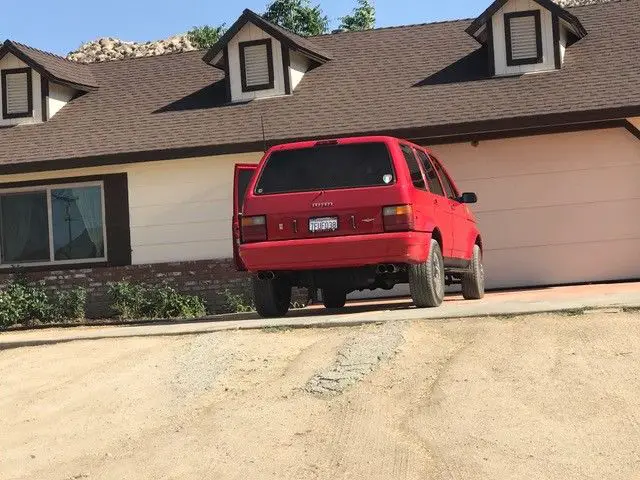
(564, 33)
(298, 67)
(59, 96)
(246, 34)
(10, 62)
(179, 209)
(499, 40)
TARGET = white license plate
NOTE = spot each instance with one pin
(326, 224)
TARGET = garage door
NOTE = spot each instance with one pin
(555, 209)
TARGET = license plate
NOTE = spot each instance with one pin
(326, 224)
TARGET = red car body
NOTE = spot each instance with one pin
(368, 244)
(391, 223)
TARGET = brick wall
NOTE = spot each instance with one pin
(207, 279)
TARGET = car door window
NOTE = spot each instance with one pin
(430, 172)
(446, 181)
(414, 168)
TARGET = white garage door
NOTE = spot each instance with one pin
(555, 209)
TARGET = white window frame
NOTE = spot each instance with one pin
(47, 189)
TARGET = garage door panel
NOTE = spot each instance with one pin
(565, 188)
(561, 264)
(533, 155)
(560, 224)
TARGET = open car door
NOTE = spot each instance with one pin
(242, 175)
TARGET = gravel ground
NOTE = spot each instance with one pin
(360, 355)
(544, 397)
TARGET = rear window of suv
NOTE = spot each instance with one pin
(326, 167)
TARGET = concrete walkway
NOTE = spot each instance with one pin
(511, 303)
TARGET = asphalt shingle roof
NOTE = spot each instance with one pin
(56, 67)
(417, 81)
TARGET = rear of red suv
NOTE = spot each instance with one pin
(338, 215)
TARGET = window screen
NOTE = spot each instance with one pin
(414, 168)
(16, 90)
(523, 33)
(326, 167)
(256, 63)
(432, 176)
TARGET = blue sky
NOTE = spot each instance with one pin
(61, 29)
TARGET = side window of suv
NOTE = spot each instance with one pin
(446, 181)
(414, 168)
(432, 176)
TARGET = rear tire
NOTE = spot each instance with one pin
(473, 281)
(272, 297)
(426, 280)
(333, 299)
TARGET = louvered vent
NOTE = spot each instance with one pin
(17, 93)
(524, 40)
(256, 61)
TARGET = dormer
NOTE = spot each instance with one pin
(36, 85)
(261, 59)
(526, 36)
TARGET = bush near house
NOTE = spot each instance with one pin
(130, 301)
(31, 304)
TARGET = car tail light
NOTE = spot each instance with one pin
(398, 218)
(254, 229)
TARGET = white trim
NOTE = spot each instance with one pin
(47, 189)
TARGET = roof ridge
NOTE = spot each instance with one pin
(392, 27)
(146, 57)
(597, 4)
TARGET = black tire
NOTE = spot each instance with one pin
(272, 297)
(427, 280)
(473, 281)
(333, 299)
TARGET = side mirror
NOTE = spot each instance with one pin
(468, 197)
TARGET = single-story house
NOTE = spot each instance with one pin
(124, 168)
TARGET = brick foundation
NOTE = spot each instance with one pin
(207, 279)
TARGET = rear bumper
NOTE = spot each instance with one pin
(336, 252)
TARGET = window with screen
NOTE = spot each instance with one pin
(414, 168)
(523, 37)
(52, 224)
(430, 172)
(256, 65)
(17, 95)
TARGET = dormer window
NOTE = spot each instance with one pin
(519, 42)
(256, 65)
(17, 93)
(261, 59)
(523, 38)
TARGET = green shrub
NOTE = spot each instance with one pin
(133, 301)
(29, 304)
(236, 303)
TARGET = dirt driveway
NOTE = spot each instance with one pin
(544, 397)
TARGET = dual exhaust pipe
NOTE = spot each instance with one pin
(386, 268)
(266, 275)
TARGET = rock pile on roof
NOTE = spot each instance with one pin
(106, 49)
(579, 3)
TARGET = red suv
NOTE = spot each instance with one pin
(353, 214)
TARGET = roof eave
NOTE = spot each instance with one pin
(9, 47)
